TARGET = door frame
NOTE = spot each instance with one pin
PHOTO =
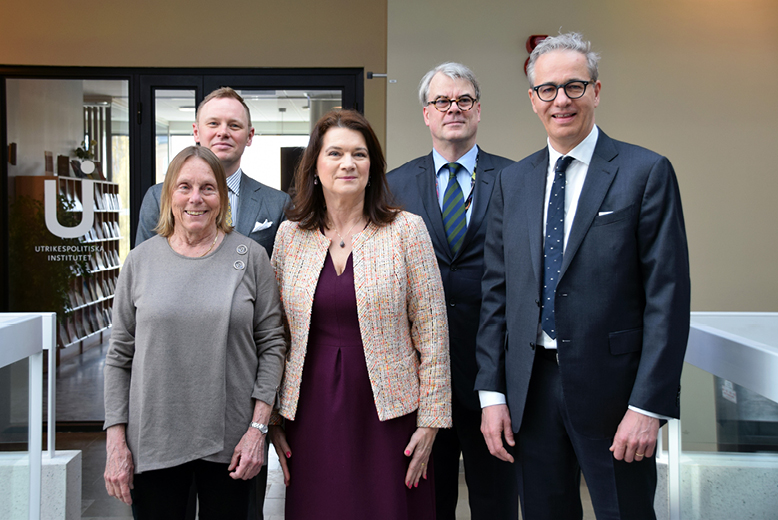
(142, 82)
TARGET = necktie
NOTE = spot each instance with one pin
(554, 245)
(454, 218)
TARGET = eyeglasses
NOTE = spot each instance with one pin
(573, 90)
(464, 103)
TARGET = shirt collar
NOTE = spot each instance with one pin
(583, 152)
(467, 160)
(233, 182)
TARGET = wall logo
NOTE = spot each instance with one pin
(50, 207)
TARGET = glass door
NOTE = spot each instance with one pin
(284, 105)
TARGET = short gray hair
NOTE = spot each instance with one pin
(564, 42)
(452, 70)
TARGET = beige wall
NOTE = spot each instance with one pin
(695, 80)
(199, 33)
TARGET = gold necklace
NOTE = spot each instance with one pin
(343, 242)
(212, 244)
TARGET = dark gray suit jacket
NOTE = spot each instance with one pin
(413, 186)
(622, 305)
(257, 204)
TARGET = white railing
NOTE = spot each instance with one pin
(26, 335)
(741, 348)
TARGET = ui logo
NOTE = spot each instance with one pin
(50, 207)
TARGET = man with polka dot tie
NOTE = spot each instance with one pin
(586, 298)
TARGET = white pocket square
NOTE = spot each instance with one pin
(603, 213)
(259, 226)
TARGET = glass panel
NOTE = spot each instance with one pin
(14, 431)
(729, 419)
(71, 163)
(174, 112)
(282, 121)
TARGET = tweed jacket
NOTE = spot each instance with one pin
(400, 307)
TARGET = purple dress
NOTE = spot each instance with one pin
(346, 464)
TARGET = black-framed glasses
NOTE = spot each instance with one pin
(574, 89)
(464, 103)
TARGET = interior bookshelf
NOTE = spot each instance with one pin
(91, 293)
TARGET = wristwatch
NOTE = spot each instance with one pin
(259, 426)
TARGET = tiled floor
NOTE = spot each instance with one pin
(80, 398)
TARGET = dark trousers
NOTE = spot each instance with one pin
(491, 483)
(163, 494)
(257, 487)
(551, 457)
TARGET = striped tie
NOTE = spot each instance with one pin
(454, 218)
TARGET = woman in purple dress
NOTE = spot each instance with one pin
(367, 380)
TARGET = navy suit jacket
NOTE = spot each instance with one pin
(413, 186)
(623, 295)
(256, 203)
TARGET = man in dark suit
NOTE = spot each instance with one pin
(223, 124)
(450, 95)
(585, 314)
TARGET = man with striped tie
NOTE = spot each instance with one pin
(450, 189)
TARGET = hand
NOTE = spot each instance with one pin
(249, 455)
(635, 438)
(496, 422)
(420, 449)
(278, 437)
(119, 468)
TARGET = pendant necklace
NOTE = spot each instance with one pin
(343, 242)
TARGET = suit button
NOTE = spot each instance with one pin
(537, 302)
(531, 345)
(454, 267)
(452, 304)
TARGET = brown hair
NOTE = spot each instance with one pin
(167, 224)
(220, 93)
(309, 209)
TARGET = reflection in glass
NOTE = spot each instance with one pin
(62, 130)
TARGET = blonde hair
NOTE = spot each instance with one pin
(167, 224)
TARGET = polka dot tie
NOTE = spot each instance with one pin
(553, 246)
(454, 218)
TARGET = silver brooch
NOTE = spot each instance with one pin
(242, 249)
(239, 265)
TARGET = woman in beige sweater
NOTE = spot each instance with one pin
(196, 355)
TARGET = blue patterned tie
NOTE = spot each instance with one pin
(554, 245)
(454, 218)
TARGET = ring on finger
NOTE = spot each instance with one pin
(422, 464)
(640, 454)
